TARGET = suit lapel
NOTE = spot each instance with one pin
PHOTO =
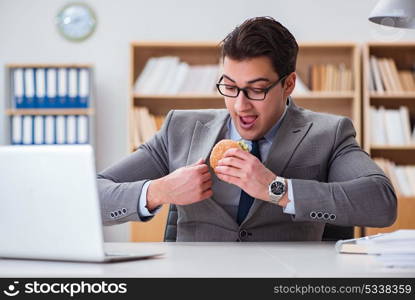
(289, 136)
(205, 136)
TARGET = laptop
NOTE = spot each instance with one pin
(50, 206)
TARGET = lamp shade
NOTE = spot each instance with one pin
(395, 13)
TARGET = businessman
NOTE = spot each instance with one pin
(304, 169)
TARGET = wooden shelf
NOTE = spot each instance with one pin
(389, 147)
(51, 65)
(63, 111)
(404, 56)
(393, 95)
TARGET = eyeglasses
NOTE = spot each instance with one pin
(256, 94)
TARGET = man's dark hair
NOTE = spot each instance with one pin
(262, 36)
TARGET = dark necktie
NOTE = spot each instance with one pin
(246, 201)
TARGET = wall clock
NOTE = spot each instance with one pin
(76, 21)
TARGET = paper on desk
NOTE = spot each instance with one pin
(395, 249)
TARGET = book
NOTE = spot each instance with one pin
(351, 246)
(379, 87)
(399, 242)
(393, 125)
(406, 125)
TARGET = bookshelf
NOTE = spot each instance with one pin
(77, 115)
(403, 54)
(344, 102)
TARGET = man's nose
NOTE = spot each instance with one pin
(242, 102)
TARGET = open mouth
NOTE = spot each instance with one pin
(247, 122)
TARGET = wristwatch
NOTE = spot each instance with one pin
(277, 189)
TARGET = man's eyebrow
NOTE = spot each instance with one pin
(259, 79)
(227, 77)
(250, 81)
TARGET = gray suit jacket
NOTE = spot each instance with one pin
(333, 179)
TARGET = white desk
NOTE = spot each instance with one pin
(284, 259)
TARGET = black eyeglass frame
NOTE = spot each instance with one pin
(244, 90)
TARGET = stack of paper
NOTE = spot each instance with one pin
(395, 249)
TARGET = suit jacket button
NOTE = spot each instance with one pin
(112, 215)
(326, 216)
(319, 215)
(313, 215)
(332, 217)
(243, 233)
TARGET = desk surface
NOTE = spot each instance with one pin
(283, 259)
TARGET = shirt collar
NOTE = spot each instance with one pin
(269, 136)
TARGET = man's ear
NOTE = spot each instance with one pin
(289, 84)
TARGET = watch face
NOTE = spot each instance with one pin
(277, 188)
(76, 21)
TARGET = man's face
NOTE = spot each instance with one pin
(253, 118)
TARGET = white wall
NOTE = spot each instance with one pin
(28, 35)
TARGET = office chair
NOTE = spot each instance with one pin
(331, 232)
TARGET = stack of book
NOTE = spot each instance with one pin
(391, 126)
(168, 75)
(330, 77)
(402, 177)
(50, 88)
(385, 76)
(145, 125)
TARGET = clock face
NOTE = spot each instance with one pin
(277, 188)
(76, 21)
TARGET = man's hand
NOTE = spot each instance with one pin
(186, 185)
(243, 169)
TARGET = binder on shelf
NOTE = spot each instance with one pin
(51, 88)
(50, 131)
(40, 99)
(82, 130)
(29, 88)
(17, 130)
(38, 138)
(84, 88)
(62, 88)
(18, 88)
(73, 100)
(60, 130)
(71, 130)
(27, 130)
